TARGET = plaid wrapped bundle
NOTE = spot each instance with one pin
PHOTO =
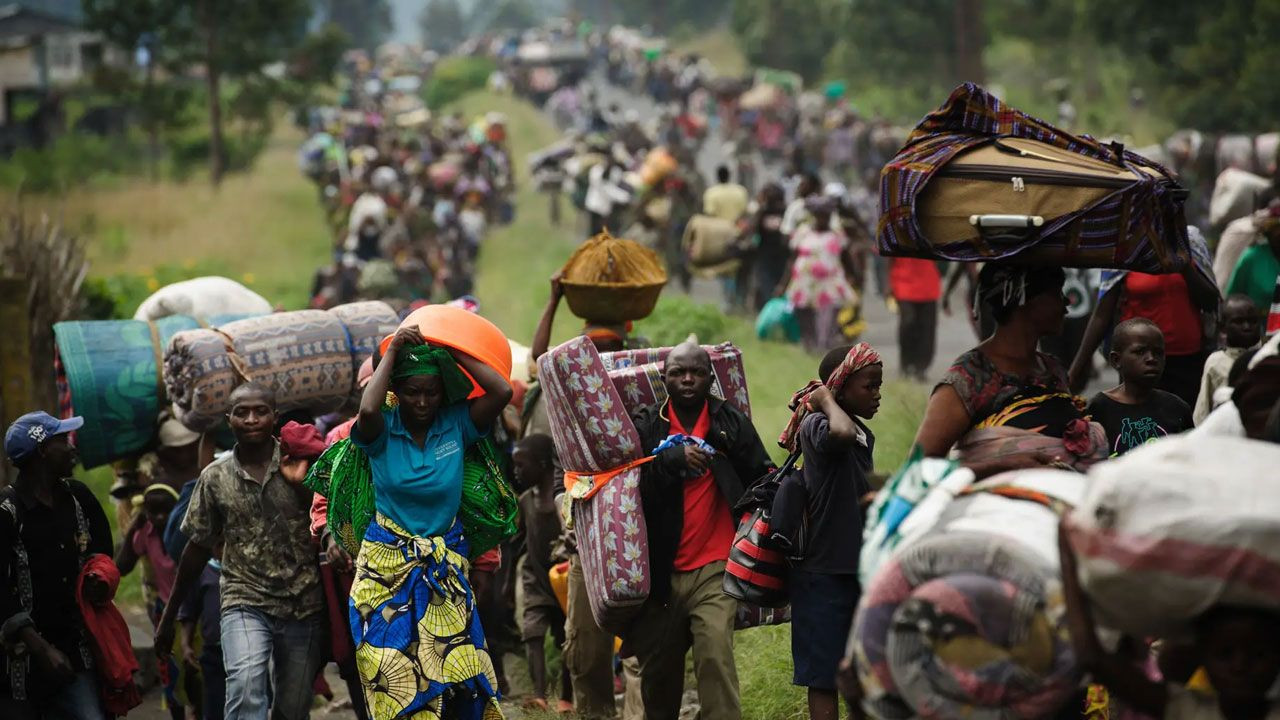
(1138, 225)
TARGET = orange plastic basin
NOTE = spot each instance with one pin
(462, 330)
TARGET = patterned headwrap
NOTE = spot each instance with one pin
(433, 360)
(860, 356)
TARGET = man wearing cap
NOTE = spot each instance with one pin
(251, 502)
(49, 523)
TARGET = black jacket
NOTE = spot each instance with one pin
(740, 460)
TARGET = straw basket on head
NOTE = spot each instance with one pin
(612, 280)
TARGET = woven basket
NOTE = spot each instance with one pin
(612, 280)
(611, 304)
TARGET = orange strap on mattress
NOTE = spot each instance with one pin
(583, 486)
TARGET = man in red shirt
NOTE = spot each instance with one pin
(688, 493)
(916, 285)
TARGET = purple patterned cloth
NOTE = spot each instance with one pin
(1138, 227)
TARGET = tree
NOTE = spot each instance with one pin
(514, 15)
(789, 35)
(1213, 64)
(228, 39)
(443, 26)
(367, 22)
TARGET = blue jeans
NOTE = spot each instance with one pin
(78, 700)
(254, 642)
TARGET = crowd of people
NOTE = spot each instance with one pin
(255, 579)
(409, 195)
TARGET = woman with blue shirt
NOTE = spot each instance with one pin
(420, 649)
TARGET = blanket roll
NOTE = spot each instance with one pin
(965, 618)
(309, 357)
(638, 375)
(109, 372)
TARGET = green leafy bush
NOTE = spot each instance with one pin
(677, 316)
(115, 297)
(454, 77)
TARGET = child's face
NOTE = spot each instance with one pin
(1139, 357)
(860, 395)
(527, 467)
(157, 510)
(1243, 326)
(1241, 655)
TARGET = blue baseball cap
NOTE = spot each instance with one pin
(27, 432)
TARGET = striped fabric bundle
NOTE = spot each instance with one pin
(1137, 223)
(964, 617)
(1176, 527)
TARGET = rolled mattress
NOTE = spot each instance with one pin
(308, 357)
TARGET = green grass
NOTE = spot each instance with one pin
(720, 48)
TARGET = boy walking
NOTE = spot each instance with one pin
(1135, 412)
(270, 588)
(541, 519)
(837, 449)
(1242, 324)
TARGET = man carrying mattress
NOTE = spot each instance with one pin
(708, 452)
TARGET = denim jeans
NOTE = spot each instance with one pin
(254, 642)
(78, 700)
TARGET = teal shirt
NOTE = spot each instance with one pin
(1255, 276)
(420, 488)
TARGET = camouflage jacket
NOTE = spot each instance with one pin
(269, 560)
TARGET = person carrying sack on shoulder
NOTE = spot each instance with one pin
(827, 428)
(707, 452)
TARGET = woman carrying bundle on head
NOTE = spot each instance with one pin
(1005, 405)
(420, 648)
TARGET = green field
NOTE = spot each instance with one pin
(265, 227)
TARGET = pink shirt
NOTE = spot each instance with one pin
(148, 543)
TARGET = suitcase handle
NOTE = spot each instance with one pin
(1006, 228)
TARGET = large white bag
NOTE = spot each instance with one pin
(202, 297)
(1235, 195)
(1176, 527)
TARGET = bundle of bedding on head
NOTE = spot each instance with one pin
(310, 358)
(109, 373)
(963, 616)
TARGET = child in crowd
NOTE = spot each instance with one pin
(144, 538)
(1238, 647)
(837, 448)
(1135, 412)
(1242, 324)
(532, 461)
(202, 610)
